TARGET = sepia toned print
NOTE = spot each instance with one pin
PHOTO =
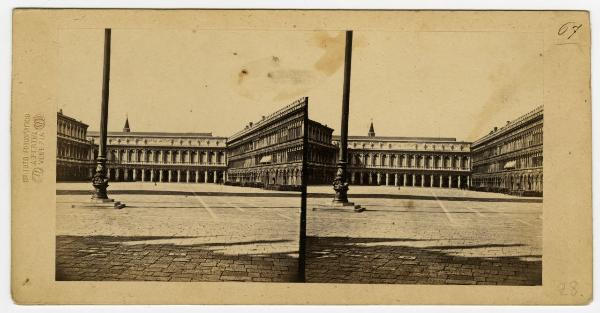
(438, 210)
(349, 160)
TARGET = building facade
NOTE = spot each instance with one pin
(164, 157)
(510, 159)
(74, 153)
(269, 153)
(408, 161)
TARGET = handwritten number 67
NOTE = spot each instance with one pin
(569, 28)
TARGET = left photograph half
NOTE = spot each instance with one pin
(188, 163)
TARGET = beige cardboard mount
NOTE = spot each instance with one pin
(567, 203)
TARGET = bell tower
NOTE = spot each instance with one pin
(126, 127)
(371, 130)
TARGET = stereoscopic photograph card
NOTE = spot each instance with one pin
(301, 157)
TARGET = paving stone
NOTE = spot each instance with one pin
(407, 237)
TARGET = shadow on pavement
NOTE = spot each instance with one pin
(329, 260)
(349, 260)
(115, 258)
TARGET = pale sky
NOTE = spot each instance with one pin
(448, 84)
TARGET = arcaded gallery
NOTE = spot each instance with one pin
(510, 159)
(408, 161)
(268, 153)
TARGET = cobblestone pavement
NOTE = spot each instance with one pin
(426, 236)
(178, 232)
(206, 232)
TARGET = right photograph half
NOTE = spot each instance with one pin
(437, 172)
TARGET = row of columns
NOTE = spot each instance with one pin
(533, 137)
(171, 175)
(73, 172)
(410, 160)
(69, 129)
(212, 157)
(274, 177)
(405, 179)
(73, 150)
(520, 182)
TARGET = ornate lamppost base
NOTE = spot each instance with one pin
(100, 199)
(96, 203)
(340, 186)
(340, 206)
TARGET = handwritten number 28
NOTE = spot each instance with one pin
(569, 288)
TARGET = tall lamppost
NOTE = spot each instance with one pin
(340, 183)
(100, 179)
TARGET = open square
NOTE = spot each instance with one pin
(411, 235)
(210, 232)
(178, 232)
